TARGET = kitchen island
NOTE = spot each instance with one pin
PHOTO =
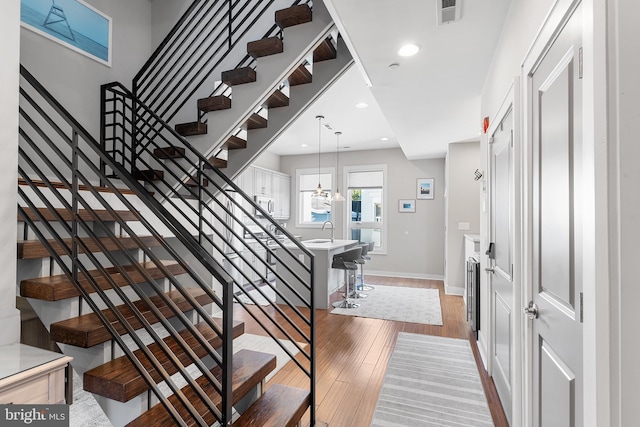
(326, 279)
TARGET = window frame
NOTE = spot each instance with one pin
(311, 171)
(346, 170)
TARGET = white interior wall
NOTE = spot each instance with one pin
(415, 240)
(463, 207)
(9, 83)
(624, 209)
(75, 79)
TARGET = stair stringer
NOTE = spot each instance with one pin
(271, 70)
(301, 98)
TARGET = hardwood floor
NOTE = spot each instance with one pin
(352, 355)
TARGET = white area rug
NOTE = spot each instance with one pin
(413, 305)
(270, 293)
(431, 381)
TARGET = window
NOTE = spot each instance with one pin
(366, 198)
(313, 210)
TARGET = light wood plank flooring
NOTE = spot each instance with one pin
(352, 355)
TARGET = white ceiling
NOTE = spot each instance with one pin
(428, 101)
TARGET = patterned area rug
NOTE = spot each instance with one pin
(431, 381)
(414, 305)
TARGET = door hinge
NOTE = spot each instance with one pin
(581, 305)
(491, 140)
(580, 67)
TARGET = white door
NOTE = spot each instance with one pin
(555, 101)
(501, 262)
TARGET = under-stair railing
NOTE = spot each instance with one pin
(54, 146)
(208, 212)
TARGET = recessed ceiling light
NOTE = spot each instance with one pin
(304, 145)
(394, 65)
(362, 105)
(384, 138)
(408, 49)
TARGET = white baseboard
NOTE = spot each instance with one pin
(404, 275)
(482, 349)
(453, 290)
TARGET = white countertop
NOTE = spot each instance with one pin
(15, 358)
(327, 244)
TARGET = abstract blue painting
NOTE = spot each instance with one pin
(72, 23)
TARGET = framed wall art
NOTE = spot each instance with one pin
(425, 188)
(406, 205)
(72, 23)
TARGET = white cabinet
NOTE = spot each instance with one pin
(263, 182)
(257, 181)
(254, 266)
(281, 195)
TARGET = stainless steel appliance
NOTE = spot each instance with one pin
(473, 294)
(266, 203)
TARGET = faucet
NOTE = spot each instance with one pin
(333, 229)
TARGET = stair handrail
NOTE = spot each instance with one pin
(79, 133)
(117, 96)
(121, 92)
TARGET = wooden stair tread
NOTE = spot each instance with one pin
(120, 380)
(148, 175)
(193, 182)
(294, 15)
(234, 143)
(58, 287)
(32, 249)
(215, 162)
(214, 103)
(101, 215)
(87, 330)
(238, 76)
(169, 153)
(81, 187)
(277, 99)
(191, 128)
(256, 121)
(265, 47)
(249, 369)
(300, 76)
(325, 51)
(279, 406)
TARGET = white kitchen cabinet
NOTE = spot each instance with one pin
(263, 184)
(281, 195)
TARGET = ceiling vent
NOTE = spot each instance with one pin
(449, 11)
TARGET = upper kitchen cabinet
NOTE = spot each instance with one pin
(263, 182)
(281, 195)
(257, 181)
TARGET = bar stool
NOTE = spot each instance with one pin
(346, 261)
(355, 293)
(366, 247)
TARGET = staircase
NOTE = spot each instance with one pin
(252, 104)
(132, 295)
(137, 284)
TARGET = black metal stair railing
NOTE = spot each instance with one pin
(209, 33)
(223, 219)
(54, 147)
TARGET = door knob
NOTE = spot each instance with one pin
(489, 270)
(531, 310)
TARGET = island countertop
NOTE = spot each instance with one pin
(327, 244)
(326, 280)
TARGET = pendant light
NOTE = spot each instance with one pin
(337, 197)
(319, 190)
